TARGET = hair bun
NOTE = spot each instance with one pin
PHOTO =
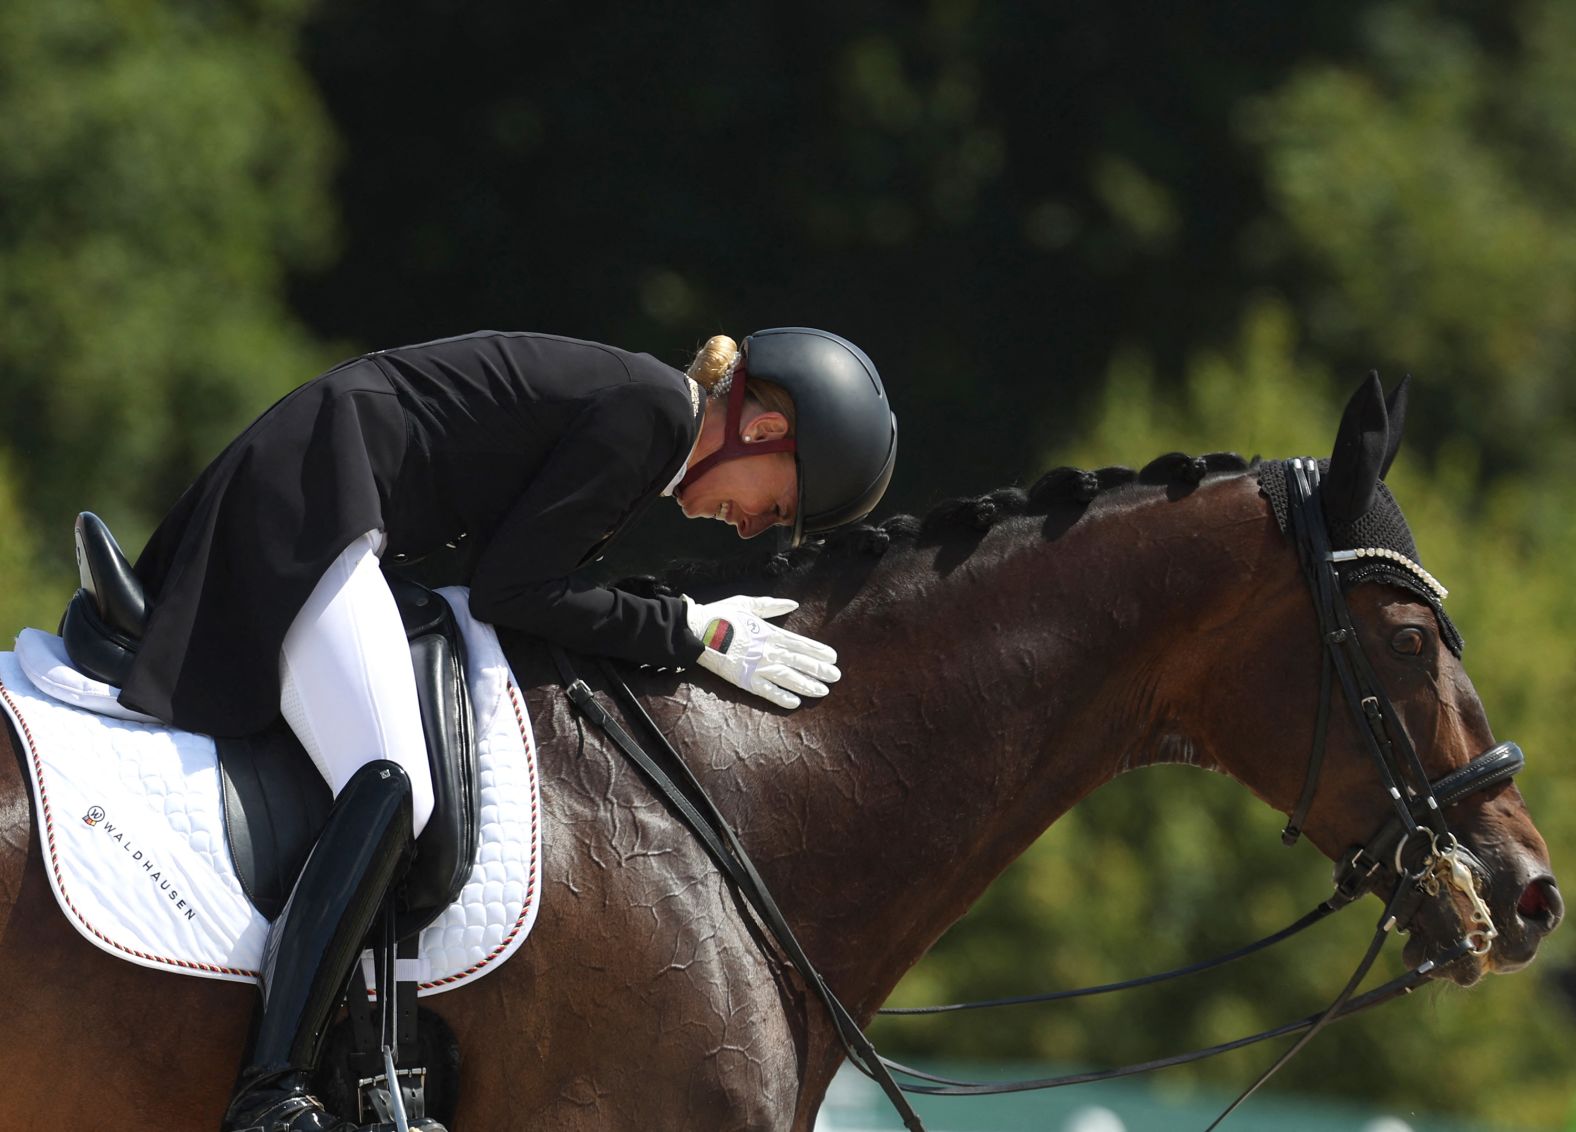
(714, 362)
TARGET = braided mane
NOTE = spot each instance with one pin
(953, 519)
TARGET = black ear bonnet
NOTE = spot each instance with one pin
(1383, 527)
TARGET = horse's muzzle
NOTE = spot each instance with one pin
(1529, 908)
(1525, 904)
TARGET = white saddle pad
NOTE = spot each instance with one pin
(133, 831)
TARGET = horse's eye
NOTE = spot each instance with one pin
(1408, 641)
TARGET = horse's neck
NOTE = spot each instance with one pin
(986, 693)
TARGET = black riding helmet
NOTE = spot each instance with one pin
(845, 435)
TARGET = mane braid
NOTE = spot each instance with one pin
(966, 517)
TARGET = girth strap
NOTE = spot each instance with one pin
(688, 797)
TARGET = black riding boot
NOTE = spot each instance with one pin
(311, 949)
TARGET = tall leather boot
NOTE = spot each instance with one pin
(312, 948)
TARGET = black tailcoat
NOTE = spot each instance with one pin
(532, 449)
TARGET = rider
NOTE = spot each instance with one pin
(530, 452)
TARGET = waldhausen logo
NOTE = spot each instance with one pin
(141, 861)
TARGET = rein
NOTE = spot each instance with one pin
(1416, 826)
(685, 793)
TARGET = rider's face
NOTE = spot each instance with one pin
(752, 493)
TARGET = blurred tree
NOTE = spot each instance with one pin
(1422, 215)
(986, 197)
(32, 594)
(162, 166)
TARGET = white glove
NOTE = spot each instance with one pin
(746, 650)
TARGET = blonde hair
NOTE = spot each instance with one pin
(713, 370)
(714, 365)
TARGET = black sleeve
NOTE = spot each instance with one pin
(617, 454)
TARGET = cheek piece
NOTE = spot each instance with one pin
(733, 445)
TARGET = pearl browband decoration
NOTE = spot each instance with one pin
(1399, 559)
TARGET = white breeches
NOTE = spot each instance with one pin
(346, 685)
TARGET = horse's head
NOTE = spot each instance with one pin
(1392, 687)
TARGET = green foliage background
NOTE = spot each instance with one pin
(1068, 236)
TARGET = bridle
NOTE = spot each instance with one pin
(1416, 826)
(1414, 844)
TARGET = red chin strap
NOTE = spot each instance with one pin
(733, 445)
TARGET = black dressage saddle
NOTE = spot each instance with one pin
(275, 801)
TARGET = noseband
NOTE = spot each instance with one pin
(1416, 826)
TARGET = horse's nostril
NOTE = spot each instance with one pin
(1541, 907)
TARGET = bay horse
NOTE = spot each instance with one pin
(1004, 656)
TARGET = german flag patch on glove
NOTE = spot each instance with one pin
(718, 635)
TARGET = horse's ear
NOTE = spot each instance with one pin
(1395, 410)
(1362, 451)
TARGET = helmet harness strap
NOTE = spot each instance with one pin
(735, 446)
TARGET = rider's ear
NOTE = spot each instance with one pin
(765, 426)
(1362, 451)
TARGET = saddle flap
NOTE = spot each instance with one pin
(275, 800)
(448, 843)
(275, 804)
